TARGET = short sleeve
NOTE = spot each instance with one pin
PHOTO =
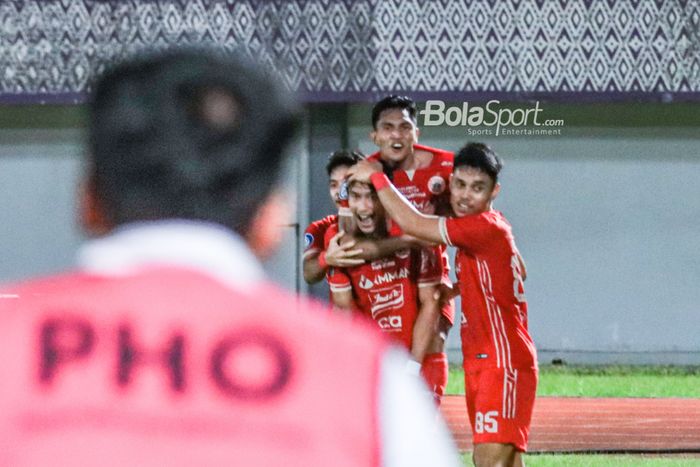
(338, 280)
(313, 239)
(471, 233)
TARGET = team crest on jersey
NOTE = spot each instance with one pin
(365, 283)
(436, 184)
(308, 240)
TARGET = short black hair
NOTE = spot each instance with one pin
(480, 156)
(188, 133)
(343, 157)
(393, 102)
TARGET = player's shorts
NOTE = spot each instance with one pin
(500, 403)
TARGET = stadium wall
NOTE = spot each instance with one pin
(40, 168)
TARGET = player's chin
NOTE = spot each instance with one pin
(365, 227)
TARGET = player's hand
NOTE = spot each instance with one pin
(361, 171)
(342, 255)
(445, 293)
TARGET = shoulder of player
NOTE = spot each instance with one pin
(439, 155)
(440, 162)
(373, 157)
(319, 227)
(329, 232)
(323, 223)
(43, 286)
(492, 221)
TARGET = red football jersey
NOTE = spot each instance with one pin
(427, 188)
(494, 309)
(315, 233)
(386, 289)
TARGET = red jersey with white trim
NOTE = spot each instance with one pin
(168, 366)
(494, 310)
(427, 188)
(315, 233)
(386, 289)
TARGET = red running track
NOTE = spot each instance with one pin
(567, 424)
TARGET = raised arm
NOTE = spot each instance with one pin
(410, 220)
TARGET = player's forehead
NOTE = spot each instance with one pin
(359, 189)
(338, 173)
(471, 175)
(394, 116)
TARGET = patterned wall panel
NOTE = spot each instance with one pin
(356, 50)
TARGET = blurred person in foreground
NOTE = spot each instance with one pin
(168, 346)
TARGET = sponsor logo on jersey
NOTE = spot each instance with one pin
(446, 164)
(436, 184)
(386, 299)
(365, 283)
(409, 191)
(391, 276)
(308, 240)
(383, 263)
(390, 323)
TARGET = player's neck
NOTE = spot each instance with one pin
(417, 159)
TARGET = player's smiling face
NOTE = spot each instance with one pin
(471, 191)
(367, 210)
(335, 181)
(395, 134)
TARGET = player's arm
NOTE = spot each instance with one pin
(336, 254)
(380, 248)
(411, 221)
(343, 300)
(523, 268)
(312, 269)
(427, 321)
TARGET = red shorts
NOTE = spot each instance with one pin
(500, 403)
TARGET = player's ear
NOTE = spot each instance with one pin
(92, 216)
(373, 136)
(417, 132)
(267, 228)
(496, 190)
